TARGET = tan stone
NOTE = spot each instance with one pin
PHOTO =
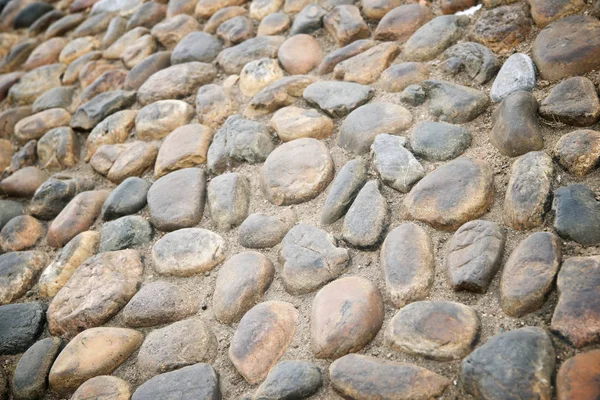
(345, 24)
(5, 154)
(110, 80)
(206, 8)
(401, 22)
(18, 270)
(138, 51)
(92, 70)
(45, 53)
(58, 149)
(261, 8)
(115, 49)
(185, 147)
(76, 48)
(35, 82)
(300, 54)
(172, 30)
(223, 15)
(397, 77)
(36, 125)
(273, 24)
(280, 93)
(10, 118)
(258, 74)
(72, 72)
(294, 123)
(376, 9)
(366, 67)
(157, 120)
(24, 182)
(137, 158)
(105, 156)
(103, 387)
(20, 233)
(214, 104)
(113, 129)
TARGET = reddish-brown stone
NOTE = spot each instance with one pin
(579, 377)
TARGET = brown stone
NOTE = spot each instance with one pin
(273, 24)
(103, 387)
(25, 157)
(233, 59)
(261, 338)
(185, 147)
(578, 377)
(345, 24)
(441, 330)
(397, 77)
(223, 15)
(573, 101)
(280, 93)
(113, 129)
(115, 49)
(544, 12)
(18, 271)
(137, 158)
(138, 51)
(261, 8)
(214, 104)
(206, 8)
(454, 193)
(63, 24)
(358, 376)
(258, 74)
(292, 123)
(20, 233)
(107, 281)
(454, 6)
(36, 125)
(172, 30)
(6, 82)
(92, 70)
(578, 151)
(24, 182)
(337, 56)
(177, 7)
(93, 26)
(94, 352)
(366, 67)
(76, 217)
(299, 54)
(577, 314)
(502, 28)
(45, 53)
(10, 118)
(105, 156)
(5, 154)
(76, 48)
(17, 55)
(401, 22)
(58, 149)
(346, 315)
(376, 9)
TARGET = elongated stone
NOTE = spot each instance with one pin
(344, 189)
(366, 218)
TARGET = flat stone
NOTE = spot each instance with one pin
(125, 232)
(300, 54)
(308, 20)
(236, 30)
(36, 125)
(431, 39)
(578, 377)
(18, 271)
(177, 199)
(573, 101)
(94, 111)
(196, 46)
(454, 103)
(177, 345)
(59, 24)
(136, 159)
(114, 6)
(157, 120)
(113, 129)
(376, 9)
(516, 129)
(566, 47)
(292, 123)
(291, 379)
(31, 374)
(176, 82)
(93, 352)
(188, 252)
(337, 98)
(401, 22)
(472, 60)
(517, 73)
(113, 52)
(147, 15)
(366, 217)
(526, 200)
(76, 48)
(441, 330)
(59, 97)
(8, 210)
(20, 326)
(105, 385)
(261, 338)
(367, 66)
(92, 70)
(214, 105)
(274, 24)
(258, 74)
(502, 28)
(296, 172)
(345, 24)
(17, 55)
(515, 363)
(70, 257)
(454, 193)
(395, 165)
(439, 141)
(346, 315)
(260, 231)
(344, 189)
(94, 25)
(474, 255)
(280, 93)
(10, 117)
(24, 182)
(54, 194)
(360, 376)
(228, 198)
(528, 275)
(20, 233)
(399, 76)
(185, 147)
(138, 51)
(199, 381)
(110, 80)
(44, 54)
(58, 149)
(76, 217)
(233, 59)
(223, 15)
(310, 259)
(577, 214)
(578, 151)
(241, 283)
(145, 68)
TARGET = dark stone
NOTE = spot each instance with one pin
(577, 214)
(290, 380)
(344, 189)
(515, 364)
(8, 210)
(127, 198)
(474, 60)
(31, 13)
(454, 103)
(43, 22)
(60, 26)
(125, 232)
(20, 325)
(196, 46)
(337, 98)
(439, 141)
(308, 20)
(366, 218)
(54, 194)
(573, 101)
(30, 379)
(59, 97)
(94, 111)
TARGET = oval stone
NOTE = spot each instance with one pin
(104, 385)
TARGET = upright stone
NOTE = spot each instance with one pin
(517, 73)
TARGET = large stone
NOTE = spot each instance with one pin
(214, 104)
(176, 82)
(137, 158)
(71, 74)
(138, 51)
(36, 125)
(502, 28)
(76, 217)
(188, 252)
(94, 352)
(310, 259)
(112, 79)
(280, 93)
(263, 231)
(58, 149)
(376, 9)
(292, 123)
(512, 364)
(439, 141)
(92, 70)
(346, 315)
(290, 380)
(94, 25)
(111, 387)
(434, 37)
(233, 59)
(177, 345)
(337, 98)
(70, 257)
(454, 193)
(395, 165)
(399, 76)
(579, 151)
(115, 29)
(60, 24)
(146, 68)
(364, 377)
(30, 379)
(274, 24)
(367, 66)
(300, 54)
(94, 111)
(125, 232)
(20, 325)
(544, 12)
(17, 55)
(10, 118)
(25, 157)
(262, 337)
(31, 13)
(566, 47)
(76, 48)
(366, 218)
(454, 103)
(576, 314)
(228, 198)
(401, 22)
(113, 129)
(258, 74)
(157, 120)
(59, 97)
(24, 182)
(199, 381)
(472, 59)
(18, 271)
(573, 101)
(344, 189)
(337, 56)
(20, 233)
(45, 53)
(107, 281)
(185, 147)
(127, 198)
(147, 15)
(177, 199)
(577, 377)
(517, 73)
(296, 172)
(577, 214)
(345, 24)
(196, 46)
(54, 194)
(442, 330)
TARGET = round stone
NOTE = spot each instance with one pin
(292, 123)
(257, 74)
(300, 54)
(20, 233)
(196, 46)
(157, 120)
(263, 231)
(291, 380)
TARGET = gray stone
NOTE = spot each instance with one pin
(475, 61)
(147, 15)
(439, 141)
(345, 24)
(233, 59)
(344, 189)
(147, 67)
(228, 198)
(290, 379)
(434, 37)
(127, 198)
(125, 232)
(454, 103)
(517, 364)
(199, 381)
(413, 95)
(474, 255)
(116, 28)
(310, 259)
(30, 379)
(337, 98)
(115, 6)
(30, 13)
(308, 20)
(517, 73)
(577, 214)
(239, 140)
(260, 231)
(395, 165)
(8, 210)
(366, 218)
(573, 101)
(25, 157)
(94, 111)
(236, 30)
(54, 194)
(273, 24)
(20, 325)
(59, 97)
(196, 46)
